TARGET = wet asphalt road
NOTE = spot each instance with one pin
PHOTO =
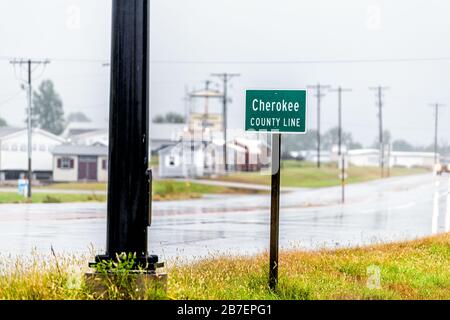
(378, 211)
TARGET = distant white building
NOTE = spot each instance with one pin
(371, 157)
(78, 128)
(205, 158)
(14, 156)
(98, 136)
(165, 134)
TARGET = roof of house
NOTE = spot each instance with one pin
(12, 131)
(80, 150)
(77, 128)
(6, 131)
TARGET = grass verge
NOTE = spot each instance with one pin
(307, 175)
(408, 270)
(51, 198)
(162, 189)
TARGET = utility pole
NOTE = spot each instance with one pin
(340, 90)
(436, 120)
(318, 87)
(129, 176)
(379, 95)
(29, 63)
(225, 77)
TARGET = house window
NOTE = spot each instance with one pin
(23, 147)
(42, 147)
(104, 164)
(14, 147)
(5, 147)
(65, 163)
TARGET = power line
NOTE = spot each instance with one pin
(436, 120)
(379, 95)
(225, 77)
(340, 90)
(29, 63)
(318, 87)
(324, 61)
(312, 61)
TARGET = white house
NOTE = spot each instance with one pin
(14, 156)
(205, 158)
(72, 163)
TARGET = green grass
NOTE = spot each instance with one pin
(307, 175)
(408, 270)
(85, 186)
(175, 190)
(162, 190)
(51, 198)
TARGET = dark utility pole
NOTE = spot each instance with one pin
(225, 77)
(275, 210)
(436, 122)
(379, 96)
(129, 187)
(319, 96)
(340, 90)
(29, 63)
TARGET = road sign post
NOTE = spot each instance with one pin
(275, 210)
(129, 175)
(275, 112)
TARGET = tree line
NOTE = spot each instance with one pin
(47, 111)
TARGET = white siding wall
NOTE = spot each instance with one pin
(65, 175)
(14, 152)
(102, 175)
(71, 175)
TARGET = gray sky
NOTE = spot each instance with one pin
(218, 33)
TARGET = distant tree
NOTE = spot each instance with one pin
(355, 145)
(3, 123)
(297, 143)
(47, 112)
(78, 117)
(402, 145)
(159, 119)
(170, 117)
(331, 138)
(386, 139)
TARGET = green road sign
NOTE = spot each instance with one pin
(276, 111)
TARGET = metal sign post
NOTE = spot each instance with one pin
(275, 210)
(275, 112)
(129, 175)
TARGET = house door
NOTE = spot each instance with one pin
(87, 168)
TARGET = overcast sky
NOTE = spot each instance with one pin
(191, 39)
